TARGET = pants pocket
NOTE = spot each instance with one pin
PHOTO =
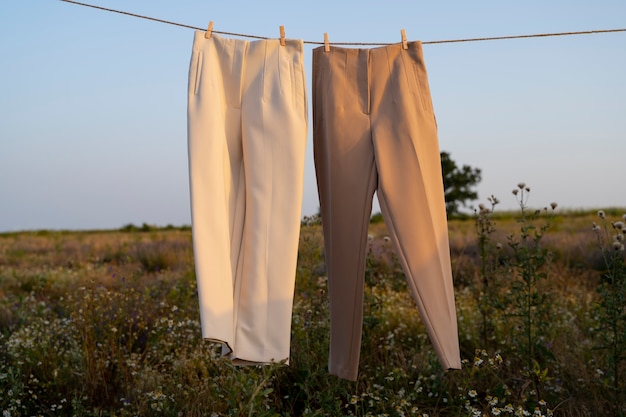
(299, 87)
(423, 89)
(196, 71)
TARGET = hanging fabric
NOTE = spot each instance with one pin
(247, 130)
(374, 130)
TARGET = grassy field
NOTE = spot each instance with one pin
(106, 323)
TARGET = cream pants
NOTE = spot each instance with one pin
(374, 130)
(247, 128)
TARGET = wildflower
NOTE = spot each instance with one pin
(496, 411)
(493, 200)
(498, 245)
(370, 238)
(386, 239)
(553, 205)
(595, 227)
(618, 225)
(472, 393)
(515, 191)
(521, 185)
(601, 214)
(617, 246)
(542, 402)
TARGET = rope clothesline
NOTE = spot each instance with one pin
(538, 35)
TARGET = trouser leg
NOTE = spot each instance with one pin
(274, 114)
(216, 179)
(346, 178)
(410, 189)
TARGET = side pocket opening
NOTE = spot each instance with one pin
(299, 87)
(421, 78)
(198, 73)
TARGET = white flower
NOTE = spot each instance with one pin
(601, 214)
(472, 393)
(553, 205)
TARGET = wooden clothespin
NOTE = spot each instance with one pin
(209, 30)
(326, 43)
(404, 44)
(282, 36)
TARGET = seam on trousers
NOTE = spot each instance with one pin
(362, 256)
(268, 150)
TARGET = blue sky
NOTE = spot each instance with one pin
(93, 104)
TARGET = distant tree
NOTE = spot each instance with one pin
(458, 184)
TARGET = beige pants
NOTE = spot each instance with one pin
(375, 130)
(247, 128)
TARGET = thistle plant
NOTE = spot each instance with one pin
(528, 304)
(612, 305)
(486, 292)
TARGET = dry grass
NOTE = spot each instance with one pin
(106, 323)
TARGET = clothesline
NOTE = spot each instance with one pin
(538, 35)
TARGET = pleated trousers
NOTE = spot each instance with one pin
(374, 130)
(247, 129)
